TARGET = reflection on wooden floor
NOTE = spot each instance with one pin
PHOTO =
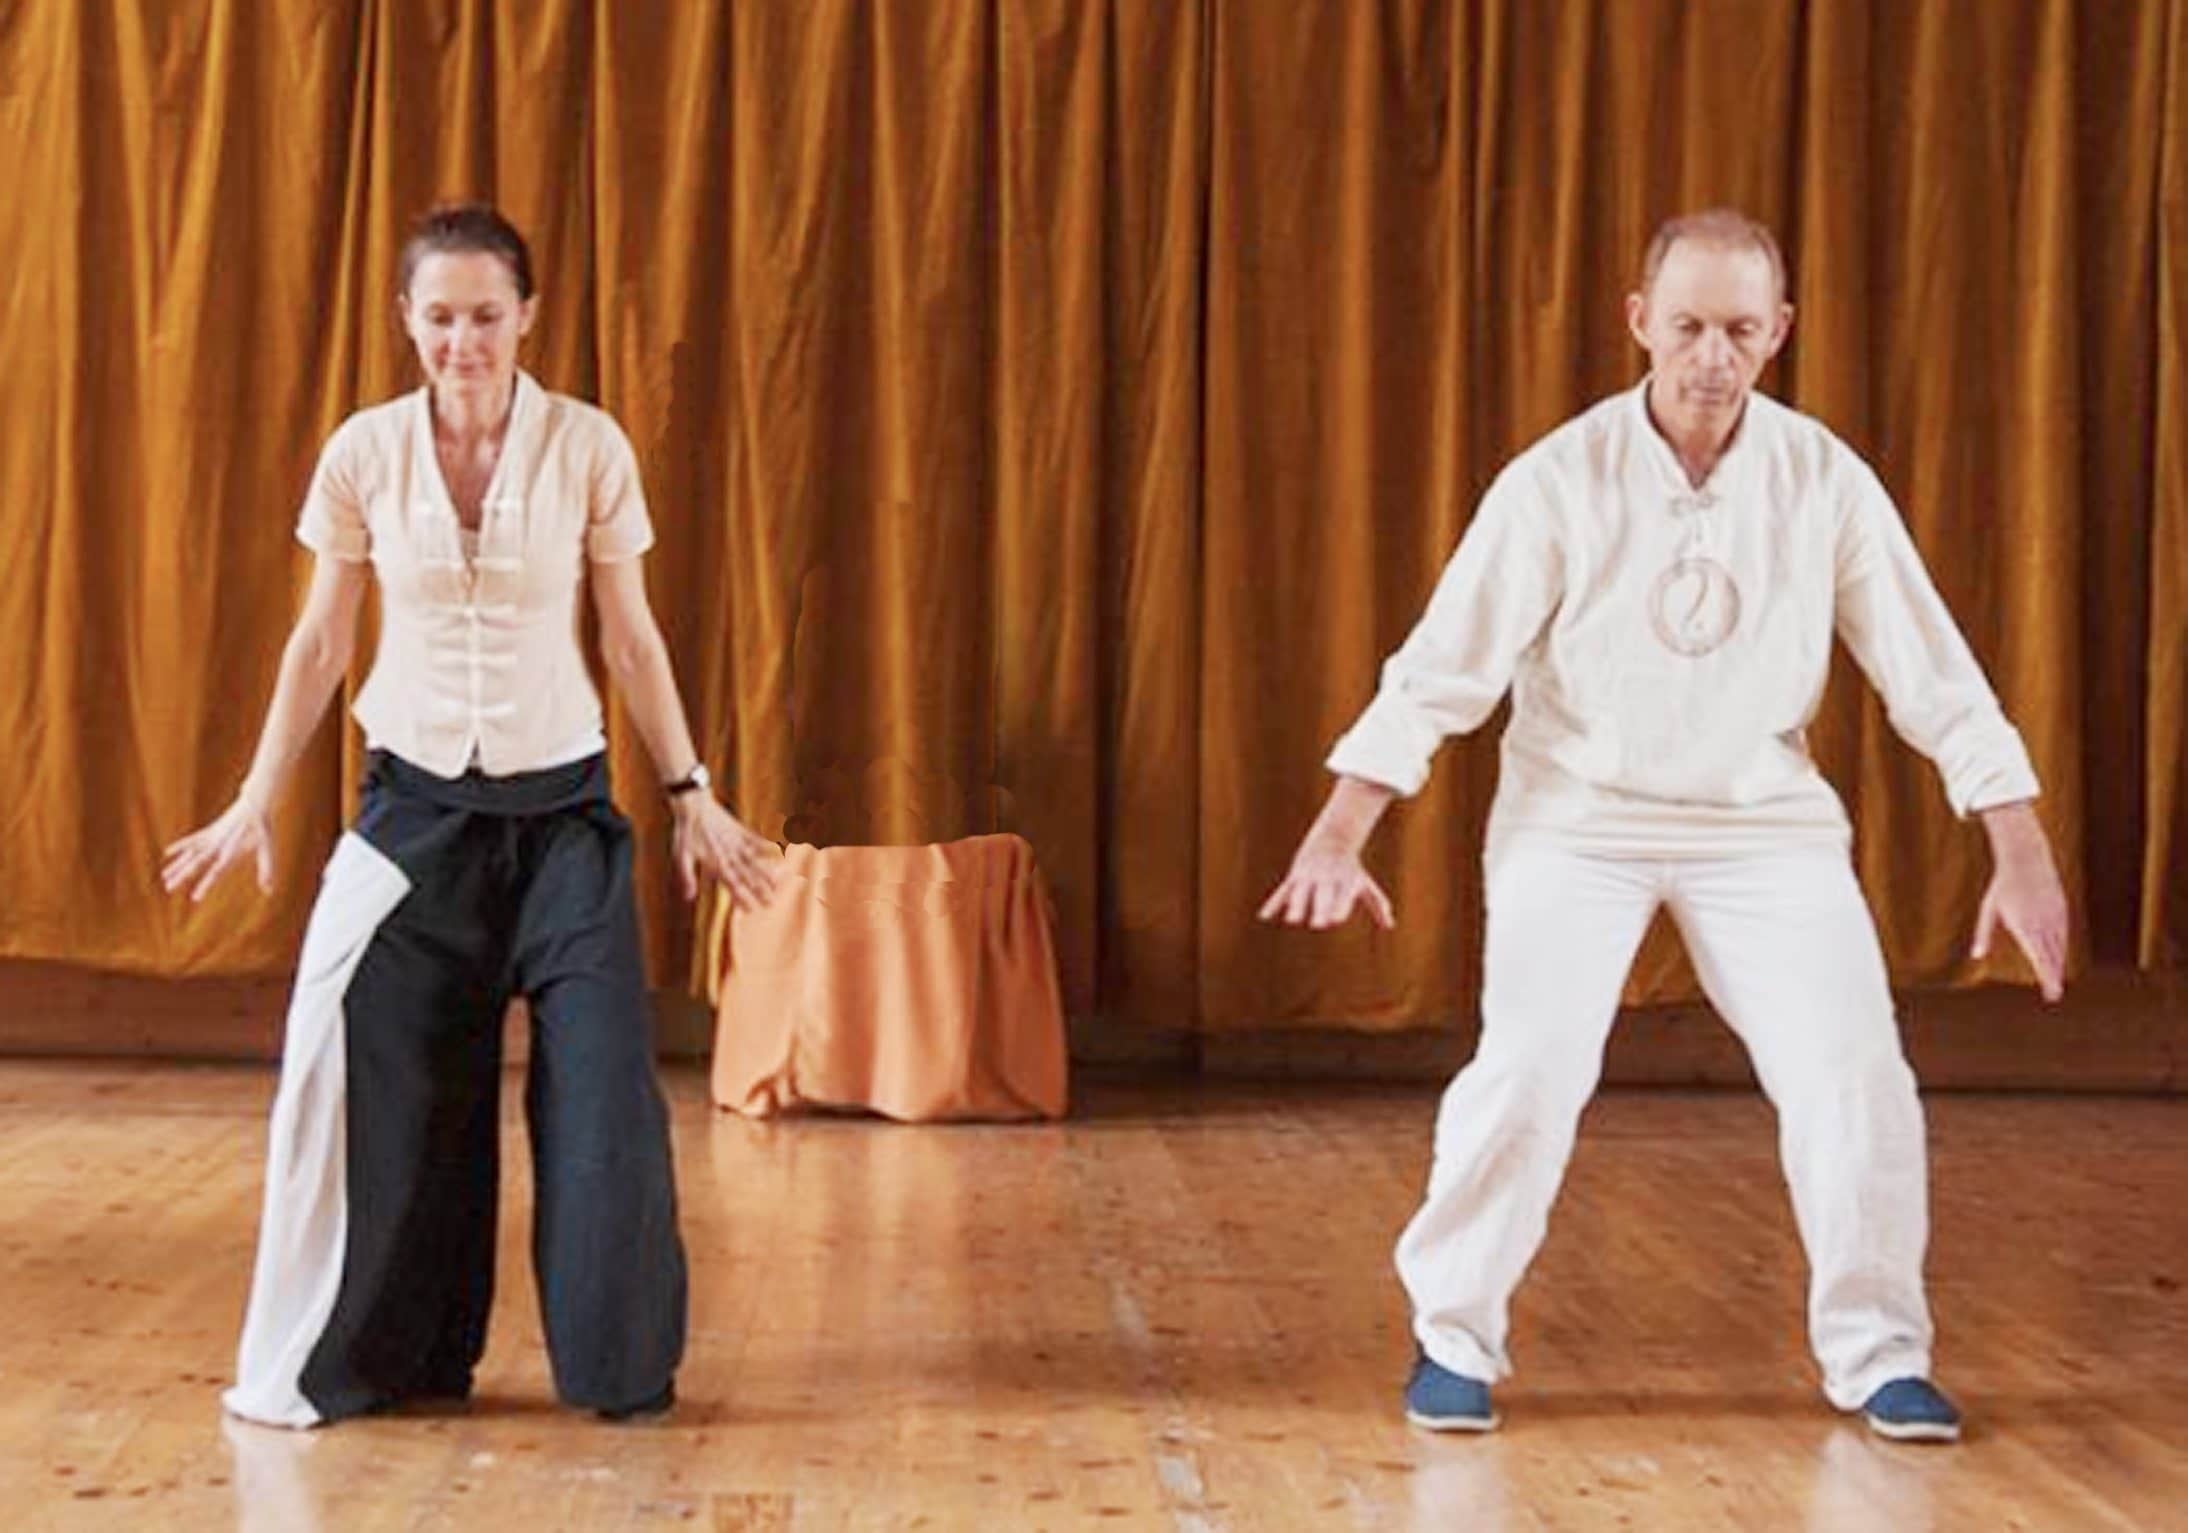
(1174, 1311)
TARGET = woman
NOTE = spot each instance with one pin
(486, 861)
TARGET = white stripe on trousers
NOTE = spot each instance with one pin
(305, 1222)
(1786, 951)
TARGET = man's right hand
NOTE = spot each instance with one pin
(1323, 886)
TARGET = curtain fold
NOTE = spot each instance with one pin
(2162, 929)
(1054, 410)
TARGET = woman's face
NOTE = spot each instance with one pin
(465, 318)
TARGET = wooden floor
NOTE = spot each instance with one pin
(1173, 1312)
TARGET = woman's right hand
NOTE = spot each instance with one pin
(1325, 882)
(200, 858)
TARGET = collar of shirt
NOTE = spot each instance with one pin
(1730, 466)
(520, 445)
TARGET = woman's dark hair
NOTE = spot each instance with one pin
(464, 227)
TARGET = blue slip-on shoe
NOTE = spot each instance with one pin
(1912, 1410)
(1443, 1401)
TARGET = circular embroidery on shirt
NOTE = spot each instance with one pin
(1694, 606)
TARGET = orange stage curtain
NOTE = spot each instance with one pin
(1054, 409)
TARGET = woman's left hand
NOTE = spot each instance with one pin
(711, 840)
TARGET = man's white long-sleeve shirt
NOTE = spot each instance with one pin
(1666, 647)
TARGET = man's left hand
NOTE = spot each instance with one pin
(2025, 895)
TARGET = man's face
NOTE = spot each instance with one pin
(1710, 322)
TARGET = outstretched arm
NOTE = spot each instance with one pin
(709, 839)
(1497, 591)
(1900, 633)
(313, 663)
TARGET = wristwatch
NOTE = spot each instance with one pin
(692, 781)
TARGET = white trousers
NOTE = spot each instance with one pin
(1786, 951)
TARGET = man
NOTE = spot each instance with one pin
(1658, 582)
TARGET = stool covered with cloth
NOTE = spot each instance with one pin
(918, 982)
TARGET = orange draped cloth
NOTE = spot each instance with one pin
(918, 982)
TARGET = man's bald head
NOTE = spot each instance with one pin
(1723, 228)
